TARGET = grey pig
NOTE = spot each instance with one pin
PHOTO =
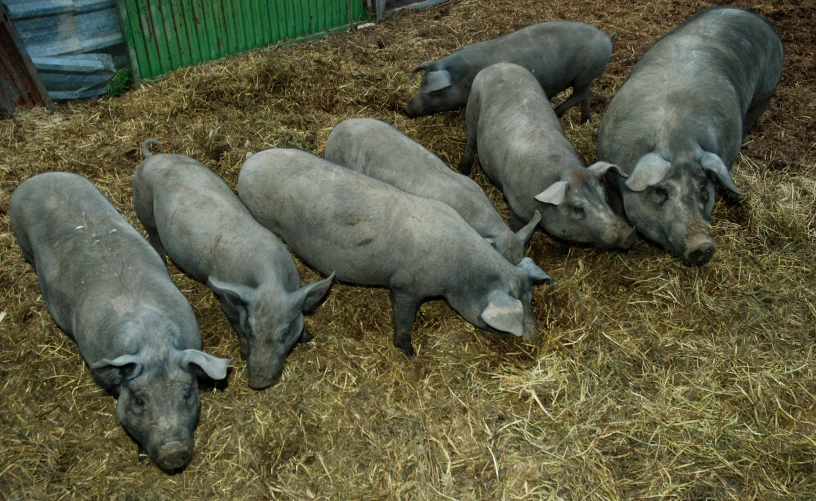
(522, 148)
(677, 123)
(108, 289)
(372, 233)
(560, 54)
(190, 213)
(377, 149)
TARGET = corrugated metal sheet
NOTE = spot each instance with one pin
(76, 45)
(20, 86)
(163, 35)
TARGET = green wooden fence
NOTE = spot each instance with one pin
(163, 35)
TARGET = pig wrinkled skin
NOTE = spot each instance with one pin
(372, 233)
(107, 288)
(378, 150)
(677, 123)
(523, 150)
(561, 54)
(190, 213)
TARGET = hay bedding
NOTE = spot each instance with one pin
(652, 379)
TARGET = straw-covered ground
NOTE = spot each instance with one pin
(652, 379)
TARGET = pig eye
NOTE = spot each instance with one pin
(660, 195)
(188, 396)
(137, 405)
(578, 211)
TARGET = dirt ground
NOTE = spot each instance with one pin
(652, 379)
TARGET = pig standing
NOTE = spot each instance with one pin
(560, 55)
(522, 148)
(190, 213)
(372, 233)
(108, 289)
(677, 123)
(378, 150)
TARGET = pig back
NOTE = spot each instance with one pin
(364, 230)
(693, 87)
(521, 144)
(555, 53)
(379, 150)
(95, 270)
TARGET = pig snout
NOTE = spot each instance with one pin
(174, 456)
(619, 236)
(263, 373)
(627, 237)
(699, 249)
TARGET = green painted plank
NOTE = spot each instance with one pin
(219, 28)
(209, 27)
(199, 42)
(278, 20)
(170, 36)
(163, 35)
(231, 30)
(157, 19)
(250, 9)
(133, 37)
(286, 16)
(151, 45)
(238, 24)
(262, 25)
(180, 31)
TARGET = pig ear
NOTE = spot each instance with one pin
(112, 372)
(504, 313)
(437, 80)
(649, 171)
(196, 360)
(423, 67)
(535, 274)
(553, 195)
(602, 168)
(714, 165)
(309, 296)
(524, 234)
(233, 296)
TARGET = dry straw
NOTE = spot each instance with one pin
(652, 380)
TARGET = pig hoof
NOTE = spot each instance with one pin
(408, 350)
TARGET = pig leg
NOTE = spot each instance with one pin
(466, 163)
(516, 222)
(143, 205)
(403, 315)
(472, 120)
(582, 95)
(753, 115)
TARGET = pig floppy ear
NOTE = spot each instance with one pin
(504, 313)
(553, 195)
(309, 296)
(234, 297)
(535, 274)
(523, 235)
(437, 80)
(649, 171)
(111, 373)
(195, 361)
(423, 67)
(602, 168)
(714, 166)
